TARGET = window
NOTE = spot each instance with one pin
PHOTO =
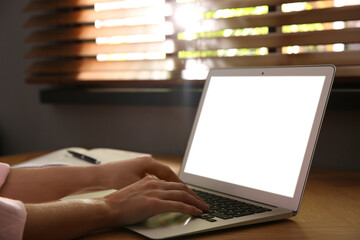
(178, 41)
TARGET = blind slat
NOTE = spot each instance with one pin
(85, 16)
(213, 5)
(92, 49)
(347, 71)
(279, 19)
(90, 33)
(72, 66)
(337, 58)
(274, 40)
(37, 5)
(103, 76)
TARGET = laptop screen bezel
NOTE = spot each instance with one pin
(293, 204)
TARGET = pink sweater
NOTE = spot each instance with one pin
(12, 212)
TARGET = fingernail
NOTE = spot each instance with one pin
(207, 207)
(198, 212)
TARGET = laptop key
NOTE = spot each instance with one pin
(221, 215)
(210, 220)
(208, 217)
(259, 210)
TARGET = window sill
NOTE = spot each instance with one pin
(123, 96)
(340, 98)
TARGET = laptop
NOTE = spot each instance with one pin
(252, 142)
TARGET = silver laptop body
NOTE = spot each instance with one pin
(253, 139)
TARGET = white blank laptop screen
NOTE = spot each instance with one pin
(253, 131)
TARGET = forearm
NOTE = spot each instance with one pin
(36, 185)
(48, 184)
(65, 219)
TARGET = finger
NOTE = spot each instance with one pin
(181, 186)
(174, 206)
(181, 196)
(151, 183)
(162, 172)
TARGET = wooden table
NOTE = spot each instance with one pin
(330, 210)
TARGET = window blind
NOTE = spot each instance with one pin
(176, 41)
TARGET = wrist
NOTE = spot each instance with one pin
(65, 219)
(102, 177)
(100, 213)
(92, 178)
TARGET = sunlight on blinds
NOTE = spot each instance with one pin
(111, 41)
(192, 18)
(155, 16)
(304, 6)
(103, 6)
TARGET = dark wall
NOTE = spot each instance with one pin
(339, 140)
(27, 125)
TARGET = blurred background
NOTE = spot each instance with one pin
(31, 64)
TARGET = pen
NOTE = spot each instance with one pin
(84, 157)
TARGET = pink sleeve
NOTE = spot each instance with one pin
(4, 170)
(12, 212)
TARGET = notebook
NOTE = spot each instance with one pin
(62, 157)
(252, 141)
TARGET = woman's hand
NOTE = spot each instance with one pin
(74, 218)
(120, 174)
(151, 196)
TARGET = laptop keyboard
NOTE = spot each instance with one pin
(226, 208)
